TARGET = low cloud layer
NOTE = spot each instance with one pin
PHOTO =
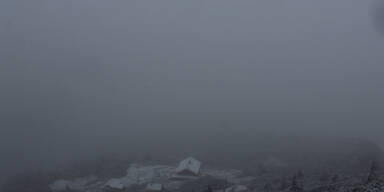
(90, 77)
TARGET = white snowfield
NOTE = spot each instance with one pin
(115, 184)
(222, 173)
(59, 185)
(154, 187)
(138, 175)
(77, 184)
(236, 188)
(153, 177)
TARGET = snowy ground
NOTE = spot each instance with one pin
(158, 177)
(148, 175)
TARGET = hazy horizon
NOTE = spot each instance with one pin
(83, 77)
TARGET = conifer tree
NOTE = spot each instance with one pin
(373, 174)
(295, 186)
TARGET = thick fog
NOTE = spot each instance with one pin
(87, 77)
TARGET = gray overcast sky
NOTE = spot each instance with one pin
(90, 75)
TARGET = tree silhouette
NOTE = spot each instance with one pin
(295, 186)
(209, 189)
(300, 174)
(283, 183)
(373, 174)
(267, 187)
(324, 176)
(335, 178)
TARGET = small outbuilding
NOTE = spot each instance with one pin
(188, 167)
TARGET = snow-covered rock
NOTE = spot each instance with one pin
(77, 184)
(237, 188)
(154, 187)
(138, 174)
(146, 174)
(114, 184)
(59, 185)
(225, 174)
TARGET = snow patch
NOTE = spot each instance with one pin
(154, 187)
(114, 184)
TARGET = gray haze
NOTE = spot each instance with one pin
(81, 77)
